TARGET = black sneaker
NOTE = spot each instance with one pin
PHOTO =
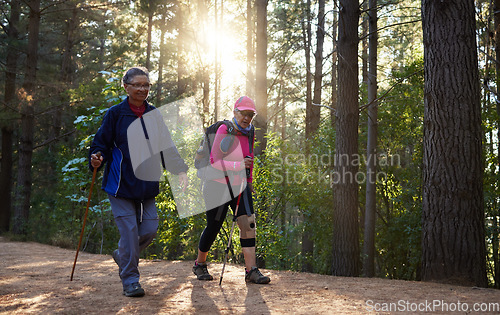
(115, 258)
(201, 271)
(256, 276)
(134, 290)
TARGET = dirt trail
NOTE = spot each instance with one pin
(34, 278)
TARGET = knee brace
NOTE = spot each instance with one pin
(247, 226)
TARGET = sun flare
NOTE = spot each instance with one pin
(231, 51)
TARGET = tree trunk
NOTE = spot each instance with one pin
(307, 242)
(161, 62)
(6, 178)
(28, 101)
(149, 45)
(7, 127)
(371, 147)
(496, 242)
(261, 77)
(216, 65)
(250, 82)
(306, 36)
(205, 69)
(334, 67)
(181, 62)
(364, 44)
(318, 68)
(453, 233)
(346, 260)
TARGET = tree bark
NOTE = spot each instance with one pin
(307, 242)
(150, 35)
(260, 121)
(346, 260)
(216, 66)
(334, 68)
(7, 127)
(371, 147)
(161, 62)
(28, 101)
(318, 68)
(306, 37)
(364, 44)
(496, 242)
(453, 236)
(250, 82)
(181, 62)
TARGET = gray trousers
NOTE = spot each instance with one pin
(137, 222)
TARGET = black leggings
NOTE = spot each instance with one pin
(216, 216)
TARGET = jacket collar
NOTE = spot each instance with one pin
(125, 107)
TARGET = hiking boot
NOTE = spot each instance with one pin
(256, 276)
(116, 257)
(201, 271)
(134, 290)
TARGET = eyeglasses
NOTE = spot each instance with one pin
(140, 86)
(248, 113)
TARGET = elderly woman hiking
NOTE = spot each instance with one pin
(132, 199)
(233, 155)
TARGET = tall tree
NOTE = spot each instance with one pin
(496, 243)
(28, 101)
(371, 146)
(7, 128)
(453, 234)
(149, 7)
(311, 127)
(204, 68)
(318, 67)
(346, 261)
(216, 64)
(307, 39)
(250, 82)
(161, 60)
(334, 65)
(181, 39)
(261, 76)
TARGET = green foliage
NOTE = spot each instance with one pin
(398, 240)
(59, 220)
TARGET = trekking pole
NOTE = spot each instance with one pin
(84, 220)
(235, 212)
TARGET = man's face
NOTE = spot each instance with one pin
(138, 88)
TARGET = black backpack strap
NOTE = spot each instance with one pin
(230, 129)
(227, 181)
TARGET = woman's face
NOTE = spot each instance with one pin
(244, 117)
(138, 89)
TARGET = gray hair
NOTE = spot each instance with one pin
(134, 71)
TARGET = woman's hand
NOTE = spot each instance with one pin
(248, 162)
(250, 185)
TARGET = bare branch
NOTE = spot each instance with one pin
(48, 141)
(388, 26)
(390, 89)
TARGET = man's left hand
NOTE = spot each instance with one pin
(183, 180)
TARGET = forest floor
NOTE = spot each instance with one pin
(35, 278)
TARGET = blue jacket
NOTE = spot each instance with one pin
(111, 140)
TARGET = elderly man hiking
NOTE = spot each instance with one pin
(132, 199)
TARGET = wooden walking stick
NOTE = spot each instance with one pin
(84, 219)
